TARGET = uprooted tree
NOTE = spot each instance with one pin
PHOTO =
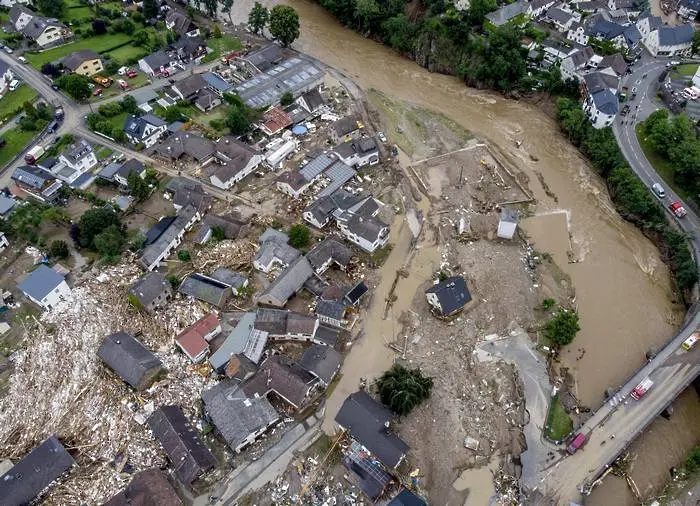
(403, 389)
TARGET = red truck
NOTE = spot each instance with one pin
(641, 389)
(677, 209)
(576, 443)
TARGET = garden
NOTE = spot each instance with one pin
(13, 101)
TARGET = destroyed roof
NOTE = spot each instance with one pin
(37, 470)
(367, 473)
(187, 454)
(270, 250)
(127, 357)
(322, 361)
(510, 215)
(330, 309)
(235, 415)
(407, 498)
(244, 339)
(231, 278)
(166, 238)
(331, 249)
(42, 281)
(76, 59)
(346, 125)
(204, 288)
(149, 287)
(147, 488)
(265, 58)
(357, 292)
(184, 143)
(240, 368)
(270, 234)
(281, 375)
(452, 293)
(276, 119)
(290, 281)
(365, 420)
(327, 335)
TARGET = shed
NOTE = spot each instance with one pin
(204, 288)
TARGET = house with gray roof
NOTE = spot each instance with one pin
(146, 488)
(286, 378)
(332, 312)
(151, 291)
(205, 288)
(244, 340)
(146, 129)
(167, 235)
(346, 127)
(448, 296)
(312, 102)
(188, 88)
(263, 59)
(156, 64)
(191, 193)
(284, 325)
(232, 227)
(7, 204)
(45, 287)
(238, 418)
(84, 62)
(320, 212)
(37, 182)
(236, 161)
(130, 359)
(188, 455)
(130, 166)
(217, 83)
(600, 92)
(185, 144)
(508, 13)
(46, 32)
(181, 24)
(669, 41)
(321, 361)
(189, 48)
(561, 18)
(287, 284)
(330, 251)
(361, 226)
(273, 254)
(234, 280)
(359, 152)
(32, 475)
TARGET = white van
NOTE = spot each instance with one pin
(658, 190)
(22, 59)
(14, 85)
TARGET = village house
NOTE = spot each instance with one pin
(237, 161)
(216, 83)
(181, 24)
(186, 192)
(188, 455)
(20, 16)
(326, 167)
(600, 97)
(358, 153)
(156, 64)
(236, 281)
(407, 498)
(195, 89)
(274, 120)
(312, 102)
(448, 296)
(80, 156)
(166, 235)
(244, 339)
(194, 340)
(131, 166)
(32, 475)
(330, 251)
(284, 377)
(150, 292)
(205, 288)
(144, 130)
(146, 488)
(321, 361)
(346, 127)
(360, 225)
(577, 33)
(562, 17)
(283, 325)
(189, 48)
(232, 227)
(539, 7)
(516, 13)
(130, 359)
(575, 65)
(263, 59)
(44, 31)
(332, 312)
(273, 251)
(85, 62)
(648, 23)
(292, 183)
(37, 182)
(287, 284)
(7, 205)
(320, 212)
(669, 41)
(45, 287)
(239, 419)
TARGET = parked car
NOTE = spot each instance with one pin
(171, 81)
(97, 92)
(14, 85)
(55, 87)
(131, 73)
(634, 90)
(381, 136)
(8, 50)
(22, 59)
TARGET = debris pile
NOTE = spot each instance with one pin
(230, 254)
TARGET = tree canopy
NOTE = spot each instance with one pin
(299, 236)
(150, 8)
(258, 17)
(51, 8)
(284, 24)
(75, 85)
(93, 222)
(138, 188)
(562, 327)
(403, 389)
(59, 249)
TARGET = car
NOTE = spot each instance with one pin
(97, 92)
(381, 136)
(131, 73)
(22, 59)
(171, 81)
(677, 209)
(625, 110)
(55, 87)
(638, 81)
(645, 76)
(634, 90)
(658, 190)
(675, 62)
(394, 150)
(8, 50)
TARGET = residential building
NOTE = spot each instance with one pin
(189, 48)
(508, 223)
(188, 455)
(236, 281)
(236, 161)
(37, 182)
(263, 59)
(132, 165)
(407, 498)
(46, 32)
(147, 488)
(669, 41)
(283, 325)
(593, 7)
(186, 192)
(320, 212)
(217, 83)
(600, 97)
(346, 128)
(360, 225)
(287, 284)
(368, 422)
(614, 62)
(562, 17)
(181, 24)
(244, 339)
(166, 235)
(284, 377)
(80, 156)
(156, 64)
(539, 7)
(273, 254)
(517, 13)
(32, 475)
(448, 296)
(575, 65)
(688, 9)
(325, 168)
(45, 287)
(130, 359)
(11, 3)
(332, 312)
(206, 289)
(239, 419)
(85, 62)
(321, 361)
(188, 88)
(151, 291)
(647, 24)
(312, 102)
(194, 340)
(293, 183)
(231, 227)
(20, 16)
(144, 130)
(577, 33)
(555, 50)
(358, 153)
(601, 27)
(330, 251)
(7, 204)
(274, 120)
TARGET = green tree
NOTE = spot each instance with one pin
(400, 32)
(128, 104)
(692, 461)
(109, 242)
(138, 188)
(503, 62)
(59, 249)
(210, 6)
(258, 17)
(478, 9)
(299, 236)
(75, 85)
(367, 13)
(562, 327)
(30, 110)
(172, 113)
(284, 24)
(696, 42)
(150, 8)
(141, 38)
(218, 233)
(124, 25)
(287, 99)
(403, 389)
(51, 8)
(184, 256)
(238, 119)
(93, 222)
(216, 32)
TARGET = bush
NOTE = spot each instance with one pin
(218, 233)
(59, 249)
(184, 255)
(403, 389)
(562, 327)
(299, 236)
(287, 99)
(692, 462)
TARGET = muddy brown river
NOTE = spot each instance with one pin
(623, 291)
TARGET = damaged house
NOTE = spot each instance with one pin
(287, 284)
(130, 359)
(166, 235)
(147, 488)
(150, 292)
(284, 377)
(448, 296)
(360, 225)
(330, 251)
(205, 288)
(236, 161)
(283, 325)
(273, 251)
(321, 361)
(244, 340)
(194, 340)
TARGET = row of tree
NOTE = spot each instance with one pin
(282, 21)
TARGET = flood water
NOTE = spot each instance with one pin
(623, 291)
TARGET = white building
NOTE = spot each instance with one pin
(146, 129)
(45, 287)
(358, 153)
(80, 157)
(669, 40)
(237, 161)
(360, 225)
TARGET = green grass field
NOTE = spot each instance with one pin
(662, 166)
(125, 53)
(16, 140)
(222, 46)
(82, 13)
(559, 423)
(13, 101)
(98, 43)
(118, 120)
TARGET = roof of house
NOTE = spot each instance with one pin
(235, 415)
(270, 250)
(368, 228)
(407, 498)
(135, 126)
(592, 6)
(365, 420)
(265, 58)
(605, 101)
(131, 165)
(235, 156)
(452, 293)
(289, 281)
(78, 150)
(558, 15)
(231, 226)
(192, 339)
(36, 471)
(346, 125)
(240, 368)
(327, 335)
(147, 488)
(32, 176)
(244, 339)
(367, 473)
(324, 207)
(273, 321)
(191, 193)
(632, 35)
(182, 23)
(322, 361)
(356, 293)
(582, 56)
(675, 35)
(204, 288)
(317, 165)
(163, 237)
(190, 85)
(150, 287)
(127, 357)
(507, 12)
(271, 234)
(601, 27)
(189, 45)
(76, 59)
(330, 309)
(300, 324)
(615, 62)
(38, 25)
(313, 99)
(537, 4)
(294, 179)
(285, 377)
(157, 60)
(6, 204)
(17, 10)
(228, 277)
(216, 81)
(276, 119)
(597, 81)
(654, 21)
(329, 248)
(187, 454)
(40, 282)
(361, 146)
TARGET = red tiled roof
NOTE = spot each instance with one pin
(192, 341)
(276, 119)
(205, 325)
